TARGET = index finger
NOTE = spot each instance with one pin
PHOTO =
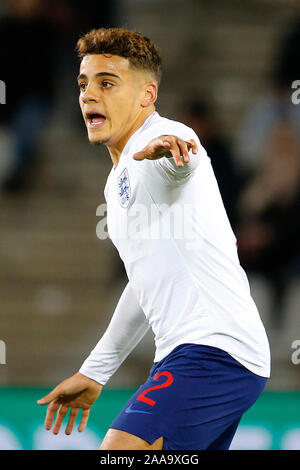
(51, 410)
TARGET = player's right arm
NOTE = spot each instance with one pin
(126, 329)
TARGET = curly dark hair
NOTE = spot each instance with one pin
(138, 49)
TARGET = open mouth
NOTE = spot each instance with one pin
(95, 120)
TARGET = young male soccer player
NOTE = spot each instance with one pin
(212, 356)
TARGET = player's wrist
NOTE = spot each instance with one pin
(89, 380)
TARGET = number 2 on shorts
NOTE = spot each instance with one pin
(168, 382)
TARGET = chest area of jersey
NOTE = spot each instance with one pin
(128, 204)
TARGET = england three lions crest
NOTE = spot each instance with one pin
(124, 188)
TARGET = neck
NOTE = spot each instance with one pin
(116, 149)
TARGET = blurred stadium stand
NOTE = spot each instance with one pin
(59, 283)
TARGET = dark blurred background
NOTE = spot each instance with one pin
(228, 73)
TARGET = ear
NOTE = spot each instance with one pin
(149, 94)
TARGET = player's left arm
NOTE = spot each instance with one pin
(177, 151)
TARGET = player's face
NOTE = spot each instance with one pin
(111, 93)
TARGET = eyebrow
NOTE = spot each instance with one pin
(99, 74)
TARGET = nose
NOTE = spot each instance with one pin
(90, 95)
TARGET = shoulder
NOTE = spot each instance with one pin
(160, 125)
(155, 127)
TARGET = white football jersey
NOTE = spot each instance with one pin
(171, 230)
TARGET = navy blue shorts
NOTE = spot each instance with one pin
(194, 398)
